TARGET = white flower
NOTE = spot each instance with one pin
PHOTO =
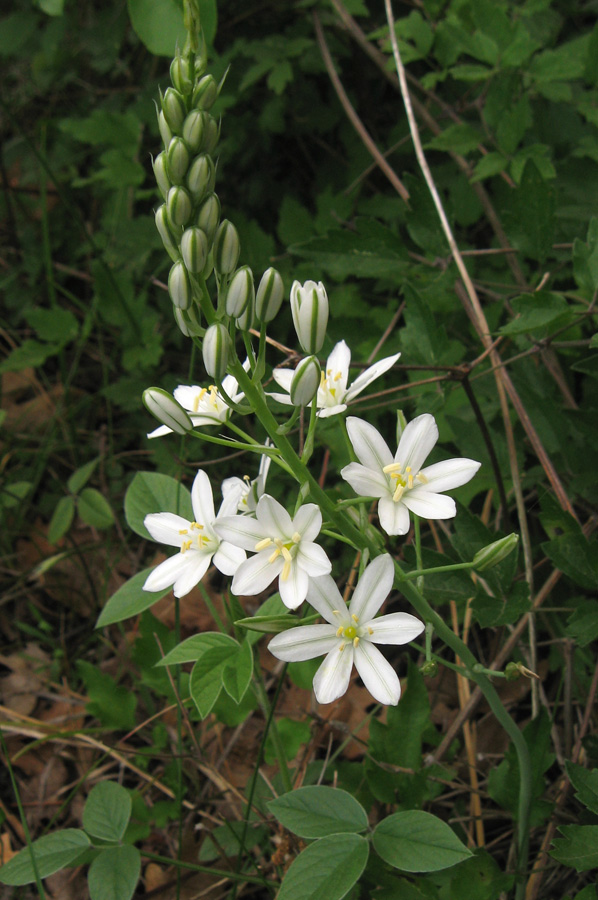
(205, 406)
(197, 542)
(400, 482)
(283, 547)
(333, 393)
(350, 635)
(309, 308)
(248, 492)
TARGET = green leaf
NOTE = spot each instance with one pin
(53, 325)
(470, 73)
(52, 852)
(490, 164)
(113, 704)
(81, 476)
(194, 647)
(529, 214)
(107, 811)
(236, 676)
(417, 841)
(158, 24)
(13, 494)
(28, 354)
(52, 7)
(62, 519)
(575, 557)
(207, 675)
(582, 624)
(370, 251)
(113, 875)
(326, 869)
(94, 509)
(292, 734)
(534, 311)
(578, 847)
(461, 138)
(152, 492)
(129, 600)
(317, 810)
(586, 785)
(504, 609)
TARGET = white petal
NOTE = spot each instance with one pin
(293, 589)
(303, 642)
(417, 441)
(165, 574)
(273, 518)
(228, 558)
(328, 411)
(283, 378)
(367, 482)
(193, 573)
(254, 575)
(369, 445)
(240, 530)
(394, 517)
(231, 495)
(215, 419)
(369, 375)
(281, 398)
(332, 678)
(377, 674)
(338, 362)
(313, 560)
(307, 522)
(202, 499)
(325, 597)
(450, 473)
(166, 528)
(187, 396)
(159, 432)
(428, 505)
(373, 588)
(395, 628)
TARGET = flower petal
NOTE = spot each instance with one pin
(240, 530)
(281, 398)
(373, 588)
(293, 590)
(367, 482)
(395, 628)
(303, 642)
(450, 473)
(228, 558)
(325, 597)
(165, 574)
(166, 528)
(159, 432)
(283, 378)
(377, 674)
(194, 571)
(332, 678)
(369, 445)
(202, 499)
(313, 559)
(273, 518)
(308, 522)
(256, 573)
(338, 364)
(416, 442)
(394, 517)
(428, 505)
(369, 375)
(328, 411)
(188, 396)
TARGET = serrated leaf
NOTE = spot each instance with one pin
(529, 214)
(53, 325)
(194, 647)
(585, 783)
(582, 624)
(107, 811)
(327, 869)
(457, 138)
(317, 810)
(371, 251)
(573, 555)
(416, 841)
(62, 519)
(129, 600)
(52, 853)
(113, 875)
(236, 676)
(94, 509)
(81, 476)
(29, 354)
(152, 492)
(534, 311)
(490, 164)
(578, 847)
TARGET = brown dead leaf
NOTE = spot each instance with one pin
(28, 673)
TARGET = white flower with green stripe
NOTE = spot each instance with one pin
(204, 405)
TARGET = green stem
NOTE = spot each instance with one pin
(417, 573)
(278, 746)
(308, 447)
(209, 870)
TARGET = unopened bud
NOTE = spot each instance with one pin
(193, 129)
(208, 216)
(494, 553)
(166, 233)
(512, 671)
(166, 410)
(173, 107)
(205, 93)
(178, 204)
(429, 668)
(188, 320)
(165, 132)
(179, 286)
(309, 308)
(211, 134)
(180, 74)
(194, 249)
(269, 295)
(201, 57)
(226, 248)
(201, 177)
(245, 321)
(215, 350)
(240, 292)
(306, 381)
(177, 160)
(161, 174)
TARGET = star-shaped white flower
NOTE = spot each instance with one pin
(197, 542)
(248, 491)
(204, 405)
(333, 393)
(283, 547)
(350, 635)
(400, 481)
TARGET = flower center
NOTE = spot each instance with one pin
(194, 538)
(401, 481)
(212, 400)
(286, 549)
(327, 382)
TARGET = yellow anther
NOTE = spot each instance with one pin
(370, 630)
(279, 543)
(392, 467)
(185, 546)
(322, 380)
(398, 493)
(274, 556)
(286, 555)
(410, 481)
(286, 570)
(296, 537)
(338, 376)
(339, 630)
(354, 617)
(246, 478)
(342, 647)
(335, 612)
(261, 545)
(183, 531)
(421, 477)
(329, 371)
(355, 641)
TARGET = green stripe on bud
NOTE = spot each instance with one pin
(177, 160)
(309, 308)
(174, 109)
(188, 320)
(494, 553)
(166, 410)
(245, 320)
(180, 74)
(205, 93)
(269, 295)
(166, 233)
(179, 286)
(161, 174)
(201, 177)
(215, 350)
(193, 129)
(226, 248)
(211, 134)
(165, 132)
(178, 204)
(208, 216)
(240, 292)
(306, 381)
(194, 249)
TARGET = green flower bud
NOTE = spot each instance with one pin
(309, 308)
(166, 233)
(194, 249)
(494, 553)
(201, 58)
(512, 671)
(240, 292)
(269, 295)
(211, 134)
(177, 160)
(166, 410)
(226, 248)
(208, 216)
(174, 109)
(179, 286)
(201, 177)
(178, 204)
(193, 129)
(215, 350)
(165, 132)
(245, 320)
(429, 668)
(180, 74)
(161, 174)
(188, 320)
(205, 93)
(306, 381)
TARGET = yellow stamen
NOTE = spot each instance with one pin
(296, 537)
(339, 630)
(355, 641)
(370, 630)
(421, 477)
(185, 546)
(261, 545)
(274, 556)
(184, 531)
(286, 555)
(286, 570)
(335, 612)
(338, 376)
(392, 467)
(342, 647)
(354, 617)
(197, 525)
(398, 493)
